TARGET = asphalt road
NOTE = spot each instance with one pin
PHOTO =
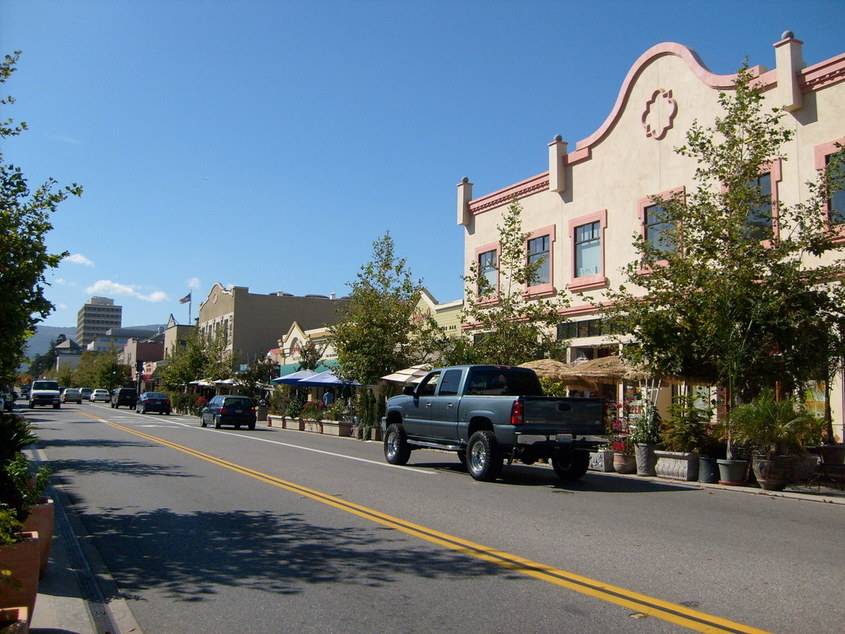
(270, 530)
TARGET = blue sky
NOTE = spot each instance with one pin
(269, 143)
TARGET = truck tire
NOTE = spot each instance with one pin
(484, 460)
(396, 449)
(571, 465)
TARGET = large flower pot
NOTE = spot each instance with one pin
(805, 468)
(23, 560)
(677, 465)
(732, 471)
(708, 470)
(773, 474)
(42, 521)
(646, 459)
(624, 462)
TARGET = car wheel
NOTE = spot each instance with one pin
(237, 425)
(31, 405)
(167, 412)
(143, 409)
(251, 425)
(462, 456)
(396, 449)
(484, 460)
(217, 422)
(56, 405)
(202, 422)
(571, 465)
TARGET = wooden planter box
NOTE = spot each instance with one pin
(601, 460)
(14, 620)
(337, 428)
(23, 560)
(677, 466)
(42, 520)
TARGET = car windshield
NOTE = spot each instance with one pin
(155, 395)
(45, 385)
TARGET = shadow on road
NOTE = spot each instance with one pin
(189, 557)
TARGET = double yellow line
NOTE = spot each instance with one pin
(640, 603)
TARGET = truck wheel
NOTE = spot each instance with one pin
(396, 449)
(571, 465)
(484, 461)
(462, 456)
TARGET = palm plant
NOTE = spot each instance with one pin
(772, 427)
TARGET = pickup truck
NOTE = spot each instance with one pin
(44, 393)
(489, 414)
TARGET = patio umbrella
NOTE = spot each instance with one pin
(294, 378)
(323, 379)
(414, 374)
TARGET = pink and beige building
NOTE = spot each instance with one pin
(582, 212)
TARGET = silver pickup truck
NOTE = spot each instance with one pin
(489, 414)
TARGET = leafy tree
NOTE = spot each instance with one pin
(102, 370)
(251, 381)
(24, 258)
(310, 355)
(509, 327)
(200, 358)
(44, 363)
(372, 336)
(725, 294)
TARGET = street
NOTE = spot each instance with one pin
(273, 531)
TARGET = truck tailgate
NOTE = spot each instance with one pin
(560, 415)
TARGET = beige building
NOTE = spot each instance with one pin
(582, 212)
(95, 318)
(176, 335)
(447, 316)
(250, 323)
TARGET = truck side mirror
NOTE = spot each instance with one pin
(408, 390)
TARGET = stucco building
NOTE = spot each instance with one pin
(583, 211)
(250, 323)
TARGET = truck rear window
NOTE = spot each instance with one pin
(503, 382)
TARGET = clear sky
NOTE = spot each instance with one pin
(269, 143)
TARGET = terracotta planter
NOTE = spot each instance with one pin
(677, 465)
(23, 560)
(42, 521)
(624, 463)
(14, 620)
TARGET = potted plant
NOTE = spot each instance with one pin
(775, 430)
(19, 561)
(685, 436)
(646, 435)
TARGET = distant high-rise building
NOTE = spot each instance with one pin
(95, 318)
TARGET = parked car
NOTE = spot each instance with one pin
(99, 395)
(124, 396)
(153, 402)
(71, 394)
(229, 410)
(86, 393)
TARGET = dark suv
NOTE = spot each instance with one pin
(229, 410)
(124, 396)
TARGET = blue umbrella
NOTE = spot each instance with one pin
(294, 379)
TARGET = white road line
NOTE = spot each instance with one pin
(178, 422)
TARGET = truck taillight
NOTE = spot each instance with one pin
(517, 412)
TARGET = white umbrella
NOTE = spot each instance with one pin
(414, 374)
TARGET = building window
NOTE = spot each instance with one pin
(655, 228)
(759, 221)
(538, 255)
(488, 273)
(836, 203)
(588, 250)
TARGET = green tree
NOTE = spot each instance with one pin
(200, 358)
(310, 355)
(372, 336)
(43, 363)
(102, 370)
(725, 294)
(510, 328)
(253, 380)
(24, 258)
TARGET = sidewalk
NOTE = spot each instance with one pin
(78, 595)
